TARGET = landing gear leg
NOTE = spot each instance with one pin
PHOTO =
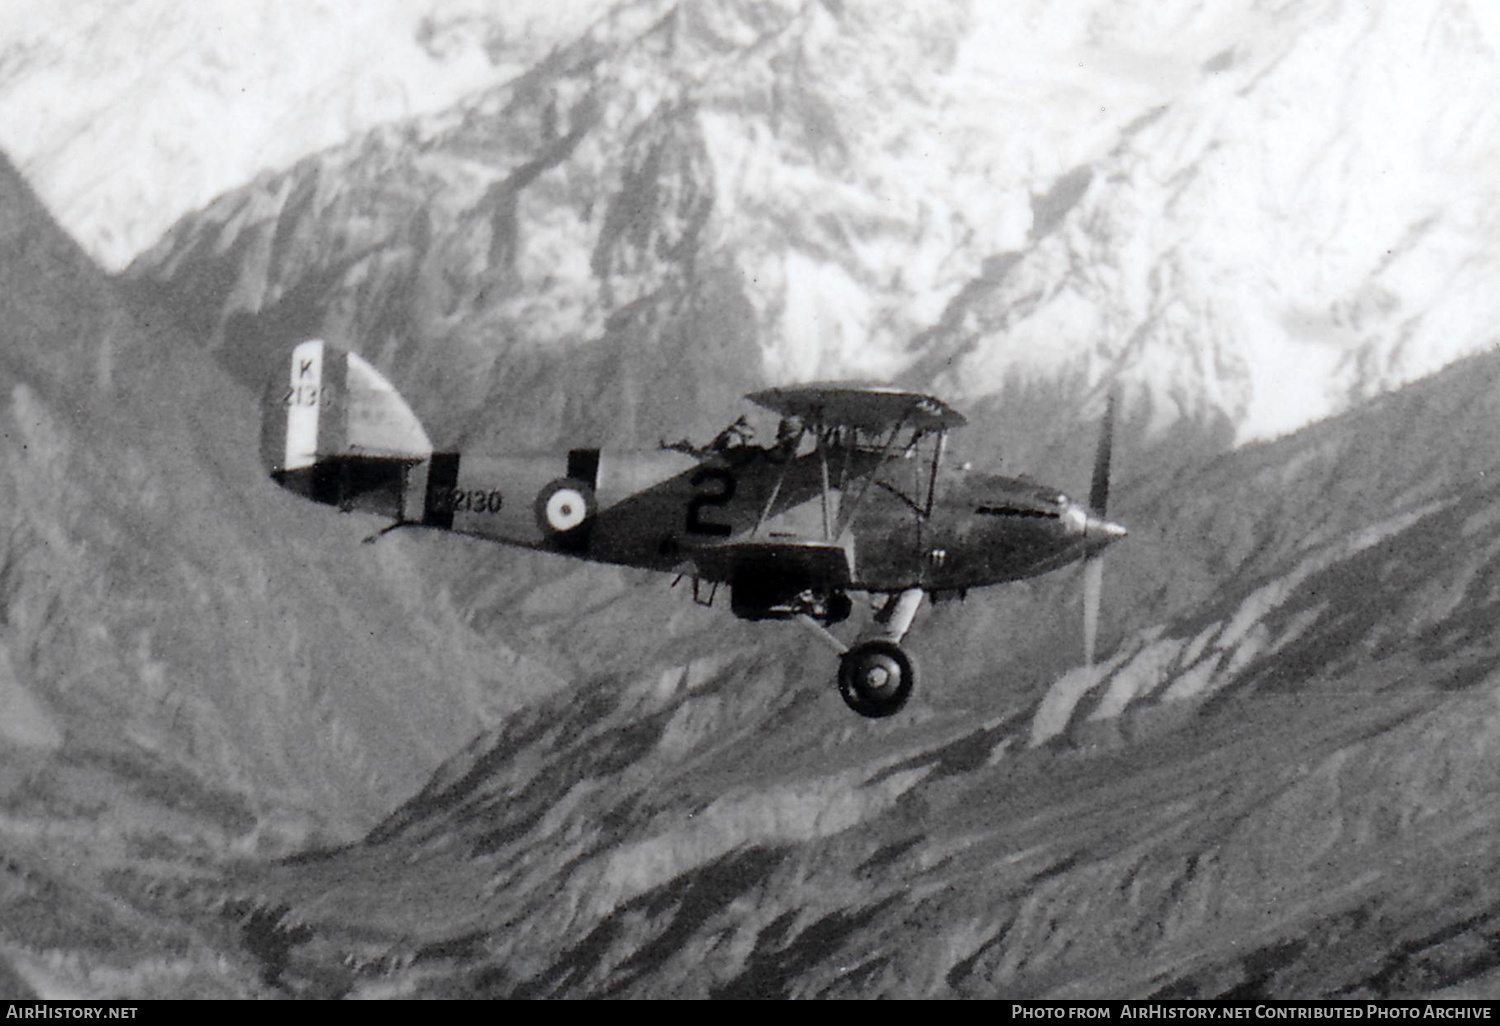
(876, 676)
(895, 617)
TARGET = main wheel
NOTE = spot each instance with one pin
(876, 678)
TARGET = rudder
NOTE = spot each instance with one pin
(335, 431)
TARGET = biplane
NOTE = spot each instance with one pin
(853, 495)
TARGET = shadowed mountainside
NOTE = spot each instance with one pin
(186, 670)
(1285, 787)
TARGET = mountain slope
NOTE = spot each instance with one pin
(189, 668)
(1282, 792)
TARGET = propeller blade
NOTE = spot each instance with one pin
(1093, 591)
(1099, 491)
(1093, 566)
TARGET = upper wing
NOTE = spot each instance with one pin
(866, 407)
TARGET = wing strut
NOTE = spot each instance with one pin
(847, 518)
(937, 459)
(844, 469)
(765, 511)
(823, 441)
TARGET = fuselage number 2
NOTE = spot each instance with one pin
(716, 488)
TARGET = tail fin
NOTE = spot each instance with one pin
(336, 432)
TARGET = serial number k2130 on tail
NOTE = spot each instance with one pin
(853, 495)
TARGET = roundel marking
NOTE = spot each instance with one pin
(566, 509)
(563, 506)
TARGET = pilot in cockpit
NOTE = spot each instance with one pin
(735, 436)
(740, 436)
(788, 436)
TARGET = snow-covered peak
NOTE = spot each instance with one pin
(1248, 212)
(127, 115)
(1306, 216)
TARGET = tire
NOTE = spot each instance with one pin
(876, 678)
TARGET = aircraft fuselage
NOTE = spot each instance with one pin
(648, 508)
